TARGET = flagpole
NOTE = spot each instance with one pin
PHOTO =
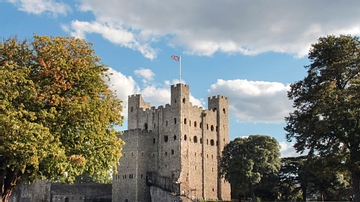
(180, 69)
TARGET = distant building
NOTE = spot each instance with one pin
(175, 149)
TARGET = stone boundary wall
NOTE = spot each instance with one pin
(44, 191)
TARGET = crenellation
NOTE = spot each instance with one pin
(178, 142)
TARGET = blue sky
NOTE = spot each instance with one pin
(250, 51)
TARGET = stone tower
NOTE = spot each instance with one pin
(175, 147)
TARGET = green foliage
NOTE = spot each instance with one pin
(57, 112)
(245, 161)
(290, 177)
(300, 177)
(327, 105)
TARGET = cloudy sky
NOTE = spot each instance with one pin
(250, 51)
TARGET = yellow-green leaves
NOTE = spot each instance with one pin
(57, 114)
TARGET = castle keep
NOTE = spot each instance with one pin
(175, 148)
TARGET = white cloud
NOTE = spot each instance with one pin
(41, 6)
(147, 74)
(204, 27)
(123, 86)
(157, 95)
(255, 101)
(113, 32)
(161, 95)
(287, 150)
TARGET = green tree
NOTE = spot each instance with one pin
(327, 101)
(325, 179)
(289, 179)
(245, 161)
(57, 114)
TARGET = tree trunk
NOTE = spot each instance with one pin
(8, 180)
(303, 189)
(355, 184)
(253, 197)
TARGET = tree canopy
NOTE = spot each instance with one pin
(326, 118)
(245, 161)
(300, 177)
(57, 113)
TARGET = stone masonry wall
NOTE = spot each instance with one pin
(178, 141)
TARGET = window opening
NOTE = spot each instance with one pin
(145, 126)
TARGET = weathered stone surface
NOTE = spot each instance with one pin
(176, 147)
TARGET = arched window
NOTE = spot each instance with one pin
(212, 128)
(212, 142)
(174, 120)
(195, 139)
(195, 124)
(174, 137)
(166, 138)
(185, 137)
(184, 120)
(184, 100)
(224, 111)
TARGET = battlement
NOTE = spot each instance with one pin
(218, 97)
(179, 85)
(134, 96)
(173, 140)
